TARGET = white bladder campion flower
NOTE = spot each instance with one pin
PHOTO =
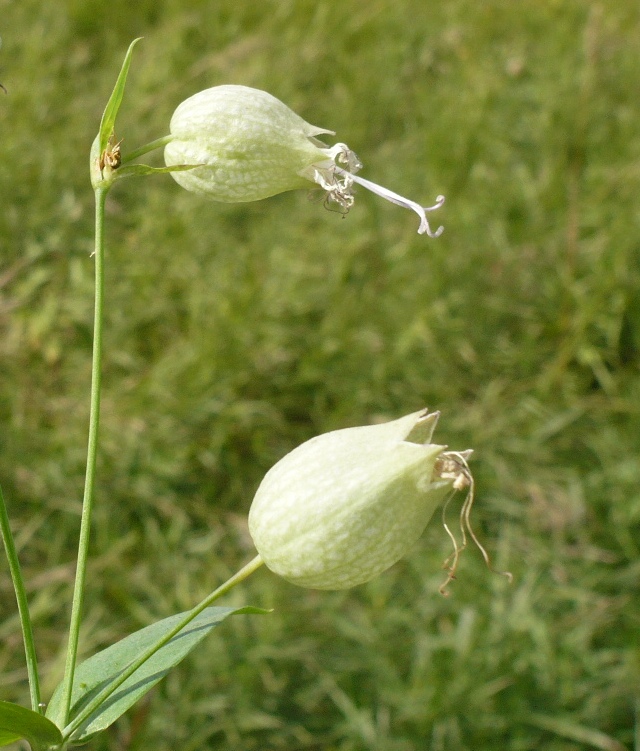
(249, 145)
(344, 506)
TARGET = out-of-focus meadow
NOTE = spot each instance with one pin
(235, 332)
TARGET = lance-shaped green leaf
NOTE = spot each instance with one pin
(95, 674)
(18, 722)
(105, 154)
(110, 113)
(7, 737)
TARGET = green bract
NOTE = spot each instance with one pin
(344, 506)
(251, 146)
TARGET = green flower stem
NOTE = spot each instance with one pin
(151, 146)
(23, 606)
(98, 700)
(92, 449)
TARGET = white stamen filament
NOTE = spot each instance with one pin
(389, 195)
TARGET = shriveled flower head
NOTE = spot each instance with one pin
(252, 146)
(344, 506)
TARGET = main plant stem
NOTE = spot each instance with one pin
(92, 450)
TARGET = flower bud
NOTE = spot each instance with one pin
(250, 145)
(344, 506)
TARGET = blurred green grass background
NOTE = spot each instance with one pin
(233, 333)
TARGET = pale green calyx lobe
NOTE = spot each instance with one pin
(344, 506)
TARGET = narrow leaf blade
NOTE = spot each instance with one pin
(18, 722)
(94, 674)
(6, 738)
(110, 113)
